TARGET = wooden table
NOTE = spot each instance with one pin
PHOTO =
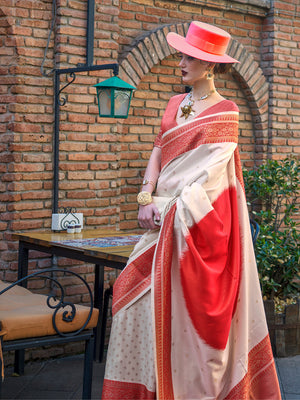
(90, 246)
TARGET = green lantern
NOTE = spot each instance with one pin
(114, 97)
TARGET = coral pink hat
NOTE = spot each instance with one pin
(203, 41)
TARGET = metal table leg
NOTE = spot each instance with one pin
(98, 302)
(22, 271)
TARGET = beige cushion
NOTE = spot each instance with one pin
(24, 315)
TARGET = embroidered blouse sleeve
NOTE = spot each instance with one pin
(169, 118)
(157, 141)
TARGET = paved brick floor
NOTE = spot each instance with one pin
(62, 379)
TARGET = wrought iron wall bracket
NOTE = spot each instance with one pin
(61, 101)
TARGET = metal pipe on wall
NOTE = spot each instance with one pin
(90, 32)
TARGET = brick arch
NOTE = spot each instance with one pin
(148, 50)
(256, 89)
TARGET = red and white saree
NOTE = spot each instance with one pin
(188, 315)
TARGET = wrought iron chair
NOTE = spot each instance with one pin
(31, 320)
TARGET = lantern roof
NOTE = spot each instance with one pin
(114, 82)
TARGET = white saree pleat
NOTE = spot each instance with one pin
(130, 356)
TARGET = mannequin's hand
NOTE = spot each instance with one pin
(146, 216)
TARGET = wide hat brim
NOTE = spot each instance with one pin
(204, 42)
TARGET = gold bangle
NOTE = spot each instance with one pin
(144, 198)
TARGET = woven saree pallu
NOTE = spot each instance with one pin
(188, 317)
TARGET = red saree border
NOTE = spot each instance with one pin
(116, 390)
(211, 129)
(162, 300)
(260, 381)
(135, 278)
(238, 168)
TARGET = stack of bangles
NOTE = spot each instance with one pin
(144, 198)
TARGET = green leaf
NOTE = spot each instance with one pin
(273, 198)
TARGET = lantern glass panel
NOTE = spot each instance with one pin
(104, 102)
(122, 100)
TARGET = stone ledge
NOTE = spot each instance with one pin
(256, 7)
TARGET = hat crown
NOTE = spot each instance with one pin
(208, 38)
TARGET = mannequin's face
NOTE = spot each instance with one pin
(193, 70)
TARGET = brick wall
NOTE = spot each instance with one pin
(281, 66)
(102, 161)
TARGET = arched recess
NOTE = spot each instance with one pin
(148, 50)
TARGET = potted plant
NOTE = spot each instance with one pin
(273, 195)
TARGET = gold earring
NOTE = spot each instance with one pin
(209, 75)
